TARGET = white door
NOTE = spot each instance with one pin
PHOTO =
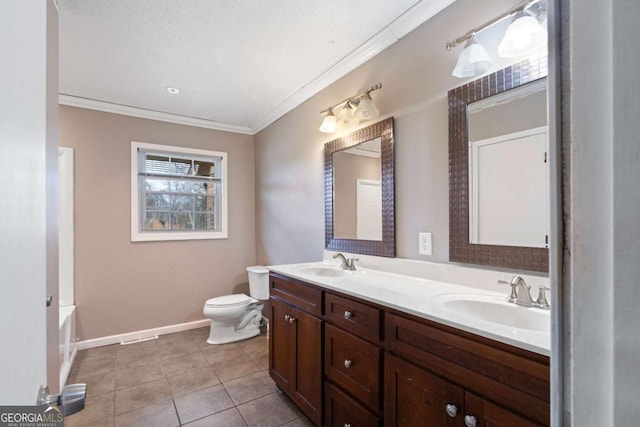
(28, 230)
(368, 210)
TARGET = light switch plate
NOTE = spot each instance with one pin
(425, 246)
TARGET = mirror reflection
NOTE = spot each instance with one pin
(508, 168)
(357, 192)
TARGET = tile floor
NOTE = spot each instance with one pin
(179, 379)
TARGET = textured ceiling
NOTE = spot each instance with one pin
(236, 62)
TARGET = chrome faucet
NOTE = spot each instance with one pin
(520, 293)
(347, 263)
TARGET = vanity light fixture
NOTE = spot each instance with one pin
(524, 35)
(346, 116)
(329, 123)
(173, 90)
(473, 61)
(365, 110)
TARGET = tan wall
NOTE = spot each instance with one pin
(416, 75)
(122, 286)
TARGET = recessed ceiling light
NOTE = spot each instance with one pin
(173, 90)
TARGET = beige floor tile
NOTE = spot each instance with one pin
(202, 403)
(236, 368)
(86, 368)
(97, 384)
(129, 399)
(250, 387)
(216, 354)
(200, 336)
(174, 349)
(300, 422)
(187, 362)
(137, 354)
(104, 352)
(136, 375)
(229, 418)
(258, 344)
(178, 338)
(262, 359)
(192, 380)
(272, 410)
(98, 411)
(161, 414)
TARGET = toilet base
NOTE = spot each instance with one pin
(225, 337)
(247, 327)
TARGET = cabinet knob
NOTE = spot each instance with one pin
(452, 410)
(291, 320)
(286, 317)
(470, 421)
(348, 363)
(348, 315)
(347, 424)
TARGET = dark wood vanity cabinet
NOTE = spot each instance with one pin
(346, 362)
(440, 373)
(295, 356)
(353, 360)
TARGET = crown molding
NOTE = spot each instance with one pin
(108, 107)
(401, 26)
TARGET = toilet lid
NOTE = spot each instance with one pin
(257, 269)
(229, 300)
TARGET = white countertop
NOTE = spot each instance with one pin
(419, 297)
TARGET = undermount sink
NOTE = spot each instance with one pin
(495, 310)
(322, 271)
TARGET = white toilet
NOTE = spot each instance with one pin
(237, 317)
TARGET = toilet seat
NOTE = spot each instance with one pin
(233, 300)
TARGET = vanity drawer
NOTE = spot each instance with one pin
(513, 377)
(353, 364)
(357, 318)
(341, 410)
(296, 293)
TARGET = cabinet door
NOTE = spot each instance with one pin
(281, 345)
(307, 386)
(487, 414)
(415, 397)
(342, 410)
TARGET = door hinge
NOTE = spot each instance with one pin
(546, 239)
(545, 157)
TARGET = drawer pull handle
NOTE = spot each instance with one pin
(470, 421)
(348, 363)
(347, 424)
(452, 410)
(291, 320)
(348, 315)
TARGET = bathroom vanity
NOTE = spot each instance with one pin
(350, 350)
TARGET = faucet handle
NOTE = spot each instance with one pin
(542, 301)
(513, 297)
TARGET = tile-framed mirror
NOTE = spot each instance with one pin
(359, 191)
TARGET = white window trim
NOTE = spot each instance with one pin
(138, 235)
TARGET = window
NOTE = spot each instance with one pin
(177, 193)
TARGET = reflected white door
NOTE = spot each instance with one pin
(368, 210)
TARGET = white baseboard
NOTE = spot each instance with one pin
(146, 333)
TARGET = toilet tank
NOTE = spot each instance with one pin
(258, 282)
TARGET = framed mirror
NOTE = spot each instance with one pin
(359, 191)
(498, 169)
